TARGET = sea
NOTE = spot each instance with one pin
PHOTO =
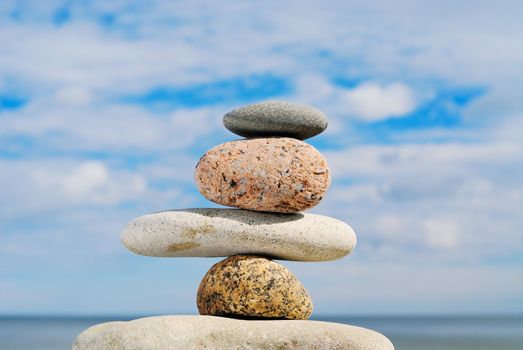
(405, 332)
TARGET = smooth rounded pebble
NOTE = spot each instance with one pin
(249, 286)
(208, 332)
(282, 175)
(276, 118)
(225, 232)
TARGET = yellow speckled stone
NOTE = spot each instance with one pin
(252, 287)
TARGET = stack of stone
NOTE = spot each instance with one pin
(271, 176)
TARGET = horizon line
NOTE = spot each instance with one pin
(129, 316)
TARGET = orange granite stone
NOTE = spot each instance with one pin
(276, 174)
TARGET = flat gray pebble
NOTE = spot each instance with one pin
(276, 118)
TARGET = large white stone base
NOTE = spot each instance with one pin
(210, 332)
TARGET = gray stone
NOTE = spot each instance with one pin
(276, 118)
(209, 332)
(225, 232)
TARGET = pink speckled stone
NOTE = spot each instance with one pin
(277, 174)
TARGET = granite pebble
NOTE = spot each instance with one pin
(248, 286)
(282, 175)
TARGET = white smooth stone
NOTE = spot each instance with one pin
(210, 332)
(225, 232)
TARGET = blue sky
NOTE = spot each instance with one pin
(105, 108)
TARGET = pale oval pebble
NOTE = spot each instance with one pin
(225, 232)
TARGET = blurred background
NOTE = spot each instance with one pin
(106, 107)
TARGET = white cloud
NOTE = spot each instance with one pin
(441, 233)
(372, 102)
(91, 182)
(458, 202)
(404, 288)
(110, 127)
(55, 185)
(75, 95)
(357, 193)
(81, 182)
(369, 101)
(187, 126)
